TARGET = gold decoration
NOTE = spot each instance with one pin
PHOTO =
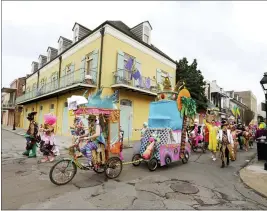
(167, 84)
(114, 116)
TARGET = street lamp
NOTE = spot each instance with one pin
(263, 83)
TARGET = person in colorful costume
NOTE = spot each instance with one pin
(252, 132)
(94, 138)
(247, 135)
(197, 134)
(48, 145)
(234, 136)
(226, 140)
(213, 130)
(143, 130)
(77, 130)
(31, 137)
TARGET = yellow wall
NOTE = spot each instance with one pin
(149, 65)
(30, 81)
(77, 57)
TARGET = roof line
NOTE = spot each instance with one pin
(142, 23)
(81, 26)
(97, 28)
(64, 38)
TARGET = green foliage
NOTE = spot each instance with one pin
(188, 107)
(194, 81)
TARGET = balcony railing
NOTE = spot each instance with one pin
(8, 105)
(78, 76)
(127, 78)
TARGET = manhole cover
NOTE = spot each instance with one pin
(184, 188)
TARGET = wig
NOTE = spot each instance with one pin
(50, 119)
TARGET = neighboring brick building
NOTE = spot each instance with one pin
(250, 100)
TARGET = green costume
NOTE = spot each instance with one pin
(31, 136)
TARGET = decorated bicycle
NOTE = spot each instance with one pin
(165, 140)
(102, 147)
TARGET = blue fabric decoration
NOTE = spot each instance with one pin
(107, 102)
(165, 114)
(136, 75)
(101, 139)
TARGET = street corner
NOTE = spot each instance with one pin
(255, 177)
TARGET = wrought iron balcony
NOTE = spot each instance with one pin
(8, 105)
(79, 76)
(137, 82)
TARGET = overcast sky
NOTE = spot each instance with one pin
(229, 39)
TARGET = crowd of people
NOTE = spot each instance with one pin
(226, 136)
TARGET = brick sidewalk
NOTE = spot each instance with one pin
(255, 177)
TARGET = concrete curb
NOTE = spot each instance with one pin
(244, 166)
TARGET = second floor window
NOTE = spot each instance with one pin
(89, 64)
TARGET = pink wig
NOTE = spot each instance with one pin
(50, 119)
(218, 124)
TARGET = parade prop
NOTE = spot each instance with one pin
(165, 140)
(106, 157)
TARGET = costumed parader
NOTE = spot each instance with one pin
(246, 134)
(197, 135)
(31, 136)
(93, 137)
(234, 136)
(48, 145)
(77, 130)
(226, 141)
(213, 132)
(143, 130)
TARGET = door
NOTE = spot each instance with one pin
(26, 122)
(126, 118)
(40, 119)
(65, 119)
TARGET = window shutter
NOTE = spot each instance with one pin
(63, 77)
(138, 82)
(158, 76)
(82, 68)
(72, 69)
(120, 66)
(93, 71)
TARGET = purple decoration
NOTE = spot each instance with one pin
(136, 75)
(129, 64)
(148, 83)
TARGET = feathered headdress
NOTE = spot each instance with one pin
(50, 119)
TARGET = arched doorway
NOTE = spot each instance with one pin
(126, 117)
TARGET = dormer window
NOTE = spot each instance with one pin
(60, 47)
(40, 62)
(49, 55)
(146, 34)
(76, 34)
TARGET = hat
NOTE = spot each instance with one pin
(224, 123)
(31, 115)
(92, 117)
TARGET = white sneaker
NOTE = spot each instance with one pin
(214, 159)
(212, 156)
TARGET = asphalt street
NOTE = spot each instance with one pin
(199, 184)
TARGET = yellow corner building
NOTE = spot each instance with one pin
(113, 56)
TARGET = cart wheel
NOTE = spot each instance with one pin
(168, 160)
(135, 158)
(186, 157)
(113, 167)
(99, 169)
(194, 148)
(152, 164)
(204, 148)
(62, 172)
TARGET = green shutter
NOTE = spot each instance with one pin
(94, 70)
(82, 68)
(158, 76)
(63, 77)
(120, 66)
(138, 67)
(72, 75)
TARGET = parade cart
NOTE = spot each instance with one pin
(106, 157)
(165, 141)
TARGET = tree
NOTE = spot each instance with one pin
(194, 82)
(249, 115)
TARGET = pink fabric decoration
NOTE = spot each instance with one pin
(50, 119)
(151, 139)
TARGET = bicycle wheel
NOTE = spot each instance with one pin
(99, 169)
(113, 167)
(135, 159)
(66, 171)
